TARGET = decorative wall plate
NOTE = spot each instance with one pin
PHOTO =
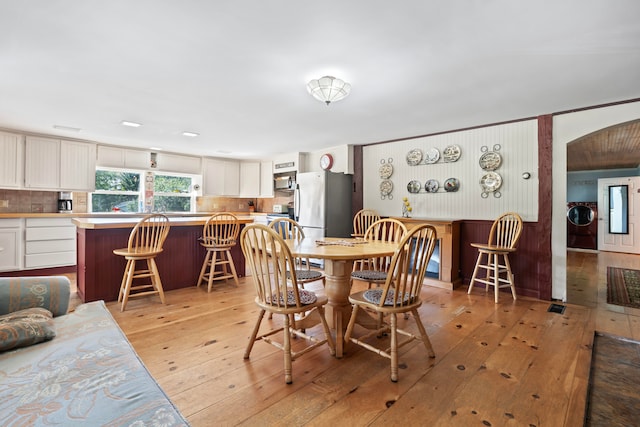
(414, 186)
(414, 157)
(386, 170)
(451, 153)
(386, 187)
(490, 161)
(431, 186)
(432, 155)
(451, 185)
(490, 182)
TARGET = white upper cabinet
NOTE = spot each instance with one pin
(168, 162)
(123, 158)
(11, 154)
(77, 166)
(266, 179)
(249, 179)
(53, 164)
(42, 163)
(221, 177)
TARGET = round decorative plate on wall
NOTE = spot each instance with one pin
(490, 182)
(431, 186)
(451, 153)
(386, 187)
(432, 156)
(386, 170)
(490, 161)
(451, 185)
(414, 186)
(414, 157)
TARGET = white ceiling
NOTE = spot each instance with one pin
(236, 71)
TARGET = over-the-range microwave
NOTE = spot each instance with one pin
(284, 181)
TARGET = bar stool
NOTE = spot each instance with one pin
(219, 235)
(145, 243)
(503, 237)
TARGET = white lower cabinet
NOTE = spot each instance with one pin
(10, 244)
(49, 242)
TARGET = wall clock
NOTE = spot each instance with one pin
(326, 161)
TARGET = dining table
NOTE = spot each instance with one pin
(339, 255)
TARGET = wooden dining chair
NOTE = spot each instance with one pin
(362, 220)
(374, 270)
(493, 256)
(145, 243)
(219, 235)
(278, 293)
(400, 294)
(289, 229)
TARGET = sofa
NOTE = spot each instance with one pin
(70, 369)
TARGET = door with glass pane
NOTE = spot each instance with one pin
(618, 214)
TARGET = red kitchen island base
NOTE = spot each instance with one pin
(100, 270)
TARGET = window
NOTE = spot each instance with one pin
(137, 191)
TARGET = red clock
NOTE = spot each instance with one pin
(326, 161)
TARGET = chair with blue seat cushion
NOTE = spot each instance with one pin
(400, 294)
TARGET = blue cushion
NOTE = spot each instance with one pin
(23, 328)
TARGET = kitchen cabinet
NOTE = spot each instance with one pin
(249, 179)
(168, 162)
(54, 164)
(10, 244)
(123, 158)
(221, 177)
(266, 179)
(49, 242)
(42, 163)
(11, 155)
(77, 166)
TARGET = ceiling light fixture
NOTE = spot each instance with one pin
(328, 89)
(130, 124)
(191, 134)
(69, 128)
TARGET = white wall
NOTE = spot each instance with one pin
(567, 128)
(519, 151)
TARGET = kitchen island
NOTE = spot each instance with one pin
(100, 270)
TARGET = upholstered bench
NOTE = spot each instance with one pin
(70, 369)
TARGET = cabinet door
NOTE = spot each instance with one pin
(11, 149)
(10, 254)
(42, 163)
(77, 166)
(213, 177)
(249, 179)
(266, 179)
(231, 178)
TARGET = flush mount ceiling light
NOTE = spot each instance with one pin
(191, 134)
(328, 89)
(130, 124)
(68, 128)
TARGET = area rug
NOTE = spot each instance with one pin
(614, 383)
(623, 287)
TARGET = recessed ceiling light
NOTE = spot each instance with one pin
(69, 128)
(191, 134)
(131, 124)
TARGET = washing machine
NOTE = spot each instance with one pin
(582, 225)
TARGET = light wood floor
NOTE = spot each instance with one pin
(513, 363)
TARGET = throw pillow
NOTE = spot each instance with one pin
(26, 327)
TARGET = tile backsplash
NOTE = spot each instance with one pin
(25, 201)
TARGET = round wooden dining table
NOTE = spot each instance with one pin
(338, 255)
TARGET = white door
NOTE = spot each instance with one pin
(618, 220)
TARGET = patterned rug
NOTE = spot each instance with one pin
(623, 287)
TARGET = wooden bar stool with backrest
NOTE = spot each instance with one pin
(279, 293)
(145, 243)
(374, 271)
(493, 257)
(399, 295)
(219, 235)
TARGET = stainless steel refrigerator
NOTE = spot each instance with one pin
(322, 204)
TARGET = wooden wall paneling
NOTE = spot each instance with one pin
(545, 205)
